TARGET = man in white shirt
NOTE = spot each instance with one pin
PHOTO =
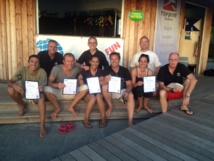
(154, 63)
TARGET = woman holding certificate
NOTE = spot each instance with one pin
(93, 78)
(138, 74)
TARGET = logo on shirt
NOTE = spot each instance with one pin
(18, 76)
(178, 74)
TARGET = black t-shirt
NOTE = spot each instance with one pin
(123, 73)
(46, 63)
(87, 74)
(165, 76)
(86, 56)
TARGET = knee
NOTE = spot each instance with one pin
(91, 98)
(163, 93)
(47, 94)
(130, 97)
(99, 97)
(10, 90)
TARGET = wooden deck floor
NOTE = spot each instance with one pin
(173, 136)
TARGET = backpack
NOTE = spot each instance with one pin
(209, 72)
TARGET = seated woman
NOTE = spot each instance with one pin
(137, 82)
(91, 99)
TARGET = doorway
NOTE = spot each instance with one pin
(191, 35)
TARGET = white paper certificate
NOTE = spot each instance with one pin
(70, 86)
(93, 85)
(114, 85)
(149, 84)
(32, 90)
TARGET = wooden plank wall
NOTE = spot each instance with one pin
(133, 31)
(17, 34)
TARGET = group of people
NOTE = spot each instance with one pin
(50, 68)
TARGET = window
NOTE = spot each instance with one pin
(79, 17)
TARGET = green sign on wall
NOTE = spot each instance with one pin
(136, 15)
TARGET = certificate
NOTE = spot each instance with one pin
(93, 85)
(114, 85)
(32, 90)
(70, 86)
(149, 84)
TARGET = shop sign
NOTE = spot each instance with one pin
(136, 15)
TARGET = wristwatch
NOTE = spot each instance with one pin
(187, 96)
(171, 90)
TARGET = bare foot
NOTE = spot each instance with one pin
(108, 111)
(71, 109)
(149, 110)
(137, 109)
(55, 113)
(42, 132)
(21, 110)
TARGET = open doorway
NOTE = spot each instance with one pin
(191, 35)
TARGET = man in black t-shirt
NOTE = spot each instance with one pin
(86, 55)
(174, 72)
(50, 58)
(126, 86)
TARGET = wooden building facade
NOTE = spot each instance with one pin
(18, 31)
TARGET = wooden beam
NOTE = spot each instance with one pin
(12, 43)
(3, 40)
(31, 26)
(24, 31)
(19, 47)
(205, 40)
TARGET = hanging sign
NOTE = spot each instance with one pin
(136, 15)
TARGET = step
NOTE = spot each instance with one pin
(8, 112)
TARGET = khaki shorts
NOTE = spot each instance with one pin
(117, 95)
(58, 92)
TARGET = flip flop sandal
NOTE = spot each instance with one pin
(63, 129)
(70, 126)
(188, 112)
(102, 124)
(87, 125)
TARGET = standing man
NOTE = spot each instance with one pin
(86, 55)
(154, 63)
(174, 73)
(54, 90)
(126, 86)
(50, 58)
(16, 88)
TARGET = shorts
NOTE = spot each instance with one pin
(175, 95)
(58, 92)
(117, 95)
